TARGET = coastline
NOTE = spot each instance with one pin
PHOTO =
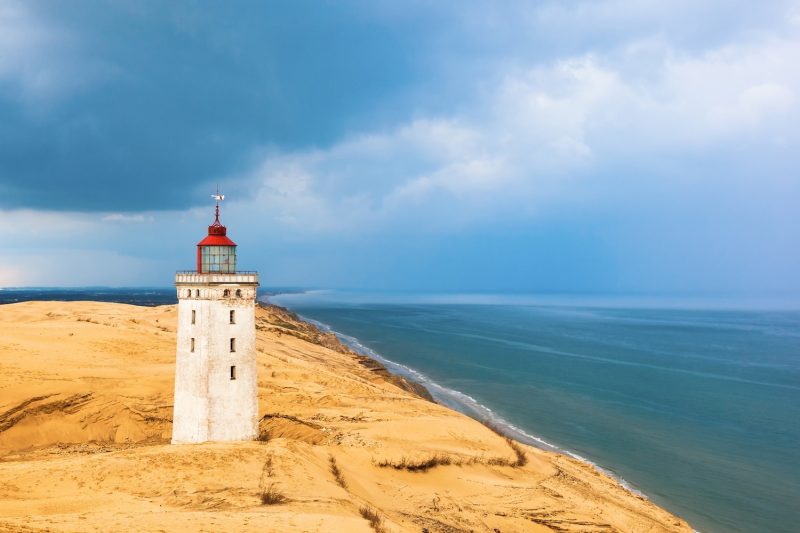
(679, 401)
(85, 421)
(461, 402)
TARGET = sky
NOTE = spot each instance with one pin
(600, 146)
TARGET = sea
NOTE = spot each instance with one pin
(694, 404)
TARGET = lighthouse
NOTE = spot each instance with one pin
(216, 390)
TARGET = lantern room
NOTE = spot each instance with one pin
(216, 253)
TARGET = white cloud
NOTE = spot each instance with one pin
(536, 134)
(679, 101)
(539, 134)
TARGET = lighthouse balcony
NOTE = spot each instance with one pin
(192, 277)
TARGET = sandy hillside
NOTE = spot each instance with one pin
(85, 409)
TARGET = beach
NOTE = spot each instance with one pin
(692, 403)
(85, 421)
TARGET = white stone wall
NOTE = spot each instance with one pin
(209, 405)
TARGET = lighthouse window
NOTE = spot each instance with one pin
(233, 345)
(197, 293)
(193, 315)
(226, 293)
(189, 293)
(238, 293)
(233, 372)
(233, 317)
(218, 259)
(191, 346)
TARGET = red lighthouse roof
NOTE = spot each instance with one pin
(216, 254)
(216, 234)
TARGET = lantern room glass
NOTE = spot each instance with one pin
(218, 259)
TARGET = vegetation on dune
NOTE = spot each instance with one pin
(272, 496)
(371, 515)
(522, 457)
(421, 465)
(440, 459)
(337, 473)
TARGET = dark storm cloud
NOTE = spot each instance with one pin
(149, 104)
(593, 145)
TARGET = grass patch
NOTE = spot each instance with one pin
(272, 496)
(422, 465)
(266, 470)
(371, 515)
(522, 457)
(337, 473)
(439, 459)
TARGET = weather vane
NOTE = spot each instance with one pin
(218, 197)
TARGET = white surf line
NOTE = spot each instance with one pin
(465, 404)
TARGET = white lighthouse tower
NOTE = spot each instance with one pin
(216, 390)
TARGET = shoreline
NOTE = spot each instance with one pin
(461, 402)
(85, 426)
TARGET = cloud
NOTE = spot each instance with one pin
(542, 135)
(38, 60)
(75, 267)
(636, 139)
(569, 27)
(25, 225)
(123, 97)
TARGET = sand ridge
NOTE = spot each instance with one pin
(85, 420)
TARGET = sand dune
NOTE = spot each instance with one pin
(85, 421)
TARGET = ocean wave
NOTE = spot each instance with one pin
(466, 404)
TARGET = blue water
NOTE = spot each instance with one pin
(127, 295)
(697, 409)
(135, 295)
